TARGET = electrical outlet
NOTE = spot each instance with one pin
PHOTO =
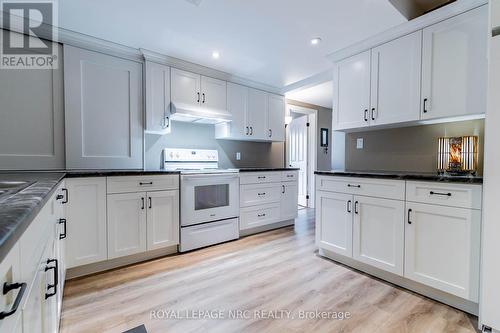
(238, 156)
(359, 143)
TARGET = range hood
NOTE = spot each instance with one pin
(197, 114)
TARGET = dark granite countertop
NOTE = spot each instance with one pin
(19, 209)
(404, 176)
(106, 173)
(266, 169)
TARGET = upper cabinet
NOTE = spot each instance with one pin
(185, 88)
(103, 109)
(437, 72)
(157, 98)
(454, 70)
(256, 115)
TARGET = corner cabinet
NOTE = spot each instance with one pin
(103, 111)
(157, 98)
(256, 115)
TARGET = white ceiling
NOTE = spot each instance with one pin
(320, 94)
(263, 40)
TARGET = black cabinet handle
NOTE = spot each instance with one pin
(251, 130)
(366, 115)
(261, 177)
(142, 200)
(63, 234)
(248, 128)
(198, 101)
(282, 188)
(150, 202)
(409, 215)
(373, 113)
(261, 215)
(263, 193)
(425, 105)
(66, 195)
(145, 183)
(438, 193)
(349, 209)
(203, 100)
(7, 287)
(270, 132)
(55, 270)
(59, 197)
(350, 185)
(356, 207)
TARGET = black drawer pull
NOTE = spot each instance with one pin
(350, 185)
(356, 211)
(443, 194)
(263, 193)
(146, 183)
(349, 209)
(7, 287)
(409, 215)
(261, 215)
(55, 270)
(62, 235)
(261, 177)
(59, 197)
(66, 195)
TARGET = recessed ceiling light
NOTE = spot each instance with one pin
(215, 54)
(315, 41)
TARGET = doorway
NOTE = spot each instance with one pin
(301, 150)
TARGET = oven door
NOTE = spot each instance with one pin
(211, 197)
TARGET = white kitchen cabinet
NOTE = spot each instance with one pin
(32, 315)
(257, 194)
(10, 275)
(126, 224)
(454, 68)
(157, 98)
(289, 200)
(185, 88)
(103, 111)
(442, 248)
(351, 93)
(395, 80)
(276, 117)
(258, 216)
(213, 94)
(86, 240)
(162, 219)
(257, 114)
(237, 106)
(378, 233)
(334, 222)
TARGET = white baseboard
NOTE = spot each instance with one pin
(281, 224)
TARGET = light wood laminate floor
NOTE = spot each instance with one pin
(271, 271)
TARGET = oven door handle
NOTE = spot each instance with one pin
(212, 177)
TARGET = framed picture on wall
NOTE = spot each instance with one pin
(324, 137)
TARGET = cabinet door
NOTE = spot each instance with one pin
(257, 114)
(289, 200)
(276, 117)
(334, 222)
(162, 219)
(214, 94)
(454, 68)
(352, 92)
(86, 240)
(237, 105)
(378, 233)
(103, 111)
(10, 273)
(33, 317)
(185, 88)
(157, 98)
(126, 224)
(395, 80)
(442, 248)
(51, 289)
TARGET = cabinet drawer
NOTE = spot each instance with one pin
(455, 195)
(382, 188)
(257, 194)
(287, 176)
(260, 177)
(142, 183)
(251, 217)
(205, 234)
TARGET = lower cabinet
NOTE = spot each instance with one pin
(289, 200)
(442, 248)
(257, 216)
(162, 219)
(10, 275)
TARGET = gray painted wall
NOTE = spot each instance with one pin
(324, 120)
(411, 149)
(188, 135)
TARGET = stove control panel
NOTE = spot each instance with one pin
(190, 155)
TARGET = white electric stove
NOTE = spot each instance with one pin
(209, 197)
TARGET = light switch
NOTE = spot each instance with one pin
(359, 143)
(238, 156)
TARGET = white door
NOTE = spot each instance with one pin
(157, 98)
(257, 114)
(126, 224)
(454, 68)
(237, 105)
(351, 93)
(395, 80)
(378, 233)
(442, 248)
(334, 222)
(162, 219)
(214, 94)
(103, 111)
(289, 204)
(297, 147)
(276, 117)
(86, 240)
(185, 88)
